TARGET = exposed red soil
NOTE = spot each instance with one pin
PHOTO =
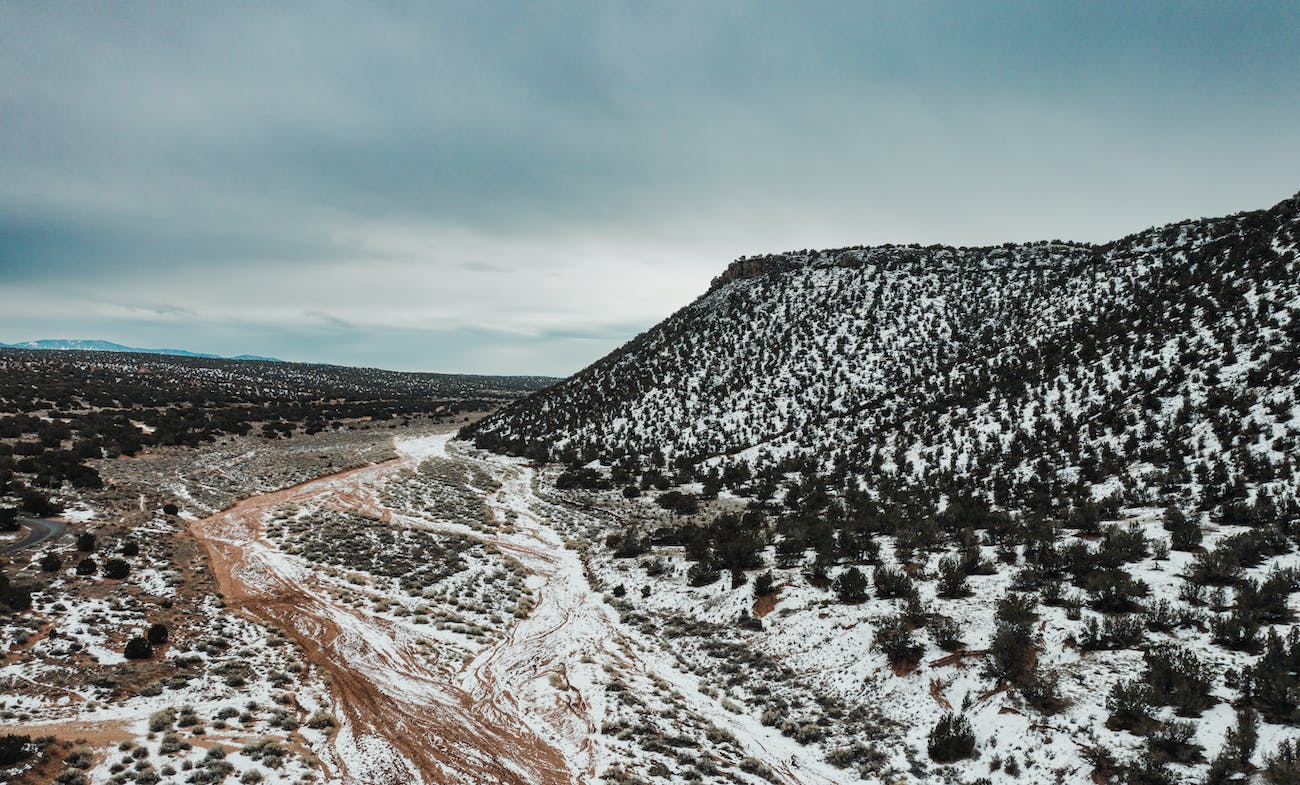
(387, 690)
(958, 657)
(767, 603)
(936, 692)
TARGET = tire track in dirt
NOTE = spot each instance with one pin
(511, 715)
(403, 717)
(589, 628)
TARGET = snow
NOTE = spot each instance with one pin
(78, 514)
(422, 448)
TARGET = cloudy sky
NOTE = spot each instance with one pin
(520, 187)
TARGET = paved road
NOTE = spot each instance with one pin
(38, 531)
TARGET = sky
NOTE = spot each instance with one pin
(522, 187)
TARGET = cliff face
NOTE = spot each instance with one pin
(753, 267)
(1054, 254)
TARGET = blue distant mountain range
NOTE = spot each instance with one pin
(108, 346)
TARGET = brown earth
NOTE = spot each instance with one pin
(402, 705)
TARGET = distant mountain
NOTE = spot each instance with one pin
(108, 346)
(246, 377)
(1159, 366)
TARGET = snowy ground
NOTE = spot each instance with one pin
(445, 616)
(828, 650)
(420, 619)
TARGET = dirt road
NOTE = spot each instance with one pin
(403, 720)
(39, 530)
(510, 715)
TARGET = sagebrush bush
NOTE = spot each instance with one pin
(951, 739)
(138, 649)
(1282, 767)
(1179, 678)
(1129, 704)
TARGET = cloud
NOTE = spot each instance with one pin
(520, 176)
(330, 320)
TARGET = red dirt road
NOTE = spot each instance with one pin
(404, 717)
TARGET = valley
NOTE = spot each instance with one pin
(981, 516)
(623, 393)
(513, 675)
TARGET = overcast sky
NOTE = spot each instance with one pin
(521, 187)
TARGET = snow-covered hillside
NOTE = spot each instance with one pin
(1034, 376)
(1014, 514)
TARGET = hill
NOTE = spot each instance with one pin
(1161, 365)
(108, 346)
(60, 410)
(1024, 513)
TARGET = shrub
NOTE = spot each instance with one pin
(945, 632)
(51, 562)
(1164, 616)
(1216, 567)
(1179, 678)
(627, 544)
(1238, 748)
(71, 776)
(1271, 683)
(891, 583)
(952, 580)
(1012, 656)
(138, 649)
(1114, 632)
(1173, 518)
(80, 758)
(763, 585)
(851, 585)
(1186, 538)
(1267, 600)
(1052, 593)
(1283, 766)
(157, 634)
(1115, 591)
(701, 574)
(951, 739)
(15, 597)
(1104, 764)
(117, 569)
(1172, 741)
(87, 566)
(1124, 631)
(896, 641)
(86, 542)
(1042, 691)
(972, 562)
(162, 720)
(1129, 704)
(1236, 630)
(39, 504)
(1020, 610)
(678, 502)
(1149, 772)
(14, 748)
(1124, 543)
